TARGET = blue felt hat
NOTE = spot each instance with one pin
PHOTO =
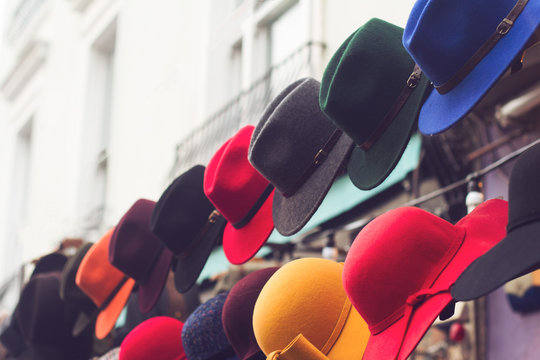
(464, 47)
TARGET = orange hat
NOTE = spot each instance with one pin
(107, 286)
(306, 297)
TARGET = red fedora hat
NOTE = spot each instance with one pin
(242, 195)
(400, 268)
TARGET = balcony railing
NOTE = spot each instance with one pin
(246, 108)
(23, 14)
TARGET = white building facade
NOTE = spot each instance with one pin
(105, 101)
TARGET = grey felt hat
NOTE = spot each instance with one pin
(300, 151)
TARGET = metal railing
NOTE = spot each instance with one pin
(22, 15)
(246, 108)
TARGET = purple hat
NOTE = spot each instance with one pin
(138, 253)
(237, 316)
(203, 336)
(464, 47)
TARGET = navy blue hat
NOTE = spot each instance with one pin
(203, 336)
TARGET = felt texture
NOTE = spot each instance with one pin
(72, 294)
(519, 252)
(45, 320)
(180, 214)
(406, 252)
(441, 35)
(358, 101)
(138, 253)
(237, 315)
(203, 336)
(50, 262)
(97, 278)
(233, 185)
(284, 144)
(306, 296)
(157, 338)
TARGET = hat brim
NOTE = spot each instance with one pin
(150, 290)
(440, 112)
(291, 214)
(187, 271)
(516, 255)
(107, 317)
(368, 169)
(242, 244)
(484, 227)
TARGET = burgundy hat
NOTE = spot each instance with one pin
(242, 195)
(400, 268)
(138, 253)
(157, 338)
(237, 315)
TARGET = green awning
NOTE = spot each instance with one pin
(342, 197)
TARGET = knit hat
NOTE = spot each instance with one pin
(203, 335)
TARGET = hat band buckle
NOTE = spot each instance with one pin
(410, 85)
(502, 29)
(212, 218)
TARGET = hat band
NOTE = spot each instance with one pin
(112, 294)
(343, 316)
(411, 84)
(251, 213)
(299, 348)
(319, 158)
(502, 29)
(212, 218)
(523, 220)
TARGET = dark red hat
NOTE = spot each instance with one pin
(400, 268)
(242, 195)
(157, 338)
(237, 315)
(138, 253)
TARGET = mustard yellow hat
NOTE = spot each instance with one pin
(303, 313)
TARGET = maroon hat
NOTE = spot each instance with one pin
(400, 268)
(242, 195)
(237, 315)
(138, 253)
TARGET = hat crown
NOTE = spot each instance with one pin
(182, 210)
(289, 135)
(96, 277)
(203, 336)
(237, 313)
(305, 296)
(231, 183)
(133, 247)
(396, 255)
(523, 194)
(441, 35)
(364, 78)
(42, 316)
(156, 337)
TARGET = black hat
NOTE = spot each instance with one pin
(186, 221)
(519, 252)
(51, 262)
(45, 320)
(73, 295)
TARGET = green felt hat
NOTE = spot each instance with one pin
(373, 91)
